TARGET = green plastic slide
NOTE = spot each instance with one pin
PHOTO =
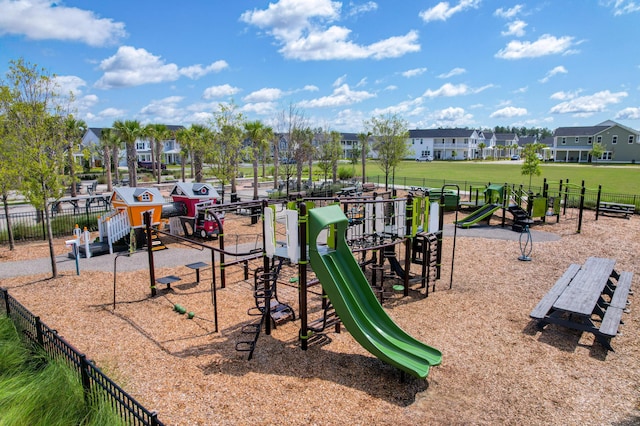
(356, 304)
(478, 215)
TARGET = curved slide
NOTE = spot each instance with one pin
(356, 304)
(482, 213)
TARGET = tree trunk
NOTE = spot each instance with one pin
(115, 161)
(255, 178)
(192, 157)
(72, 172)
(159, 160)
(131, 164)
(52, 252)
(197, 165)
(12, 244)
(107, 166)
(182, 167)
(153, 158)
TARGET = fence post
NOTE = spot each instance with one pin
(5, 295)
(39, 333)
(84, 374)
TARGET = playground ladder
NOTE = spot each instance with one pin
(425, 253)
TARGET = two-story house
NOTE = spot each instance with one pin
(574, 144)
(170, 147)
(445, 144)
(506, 145)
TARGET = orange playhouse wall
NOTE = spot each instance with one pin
(135, 213)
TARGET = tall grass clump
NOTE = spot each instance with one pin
(38, 391)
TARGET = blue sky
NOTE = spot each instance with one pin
(461, 63)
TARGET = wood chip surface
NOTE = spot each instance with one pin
(497, 367)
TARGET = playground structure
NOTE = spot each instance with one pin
(527, 208)
(360, 226)
(348, 227)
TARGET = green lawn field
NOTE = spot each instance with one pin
(619, 179)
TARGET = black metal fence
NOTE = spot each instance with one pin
(30, 225)
(468, 187)
(97, 386)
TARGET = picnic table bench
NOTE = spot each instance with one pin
(616, 208)
(586, 295)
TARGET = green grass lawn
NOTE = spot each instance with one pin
(617, 179)
(621, 179)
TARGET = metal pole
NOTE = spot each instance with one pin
(152, 271)
(302, 275)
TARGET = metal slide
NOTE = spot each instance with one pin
(356, 304)
(482, 213)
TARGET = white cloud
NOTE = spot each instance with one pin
(217, 92)
(391, 87)
(340, 81)
(135, 67)
(630, 113)
(449, 90)
(443, 10)
(414, 72)
(261, 108)
(69, 84)
(509, 112)
(451, 117)
(358, 9)
(48, 20)
(163, 110)
(453, 72)
(112, 113)
(411, 107)
(545, 45)
(564, 96)
(196, 71)
(311, 88)
(304, 31)
(555, 71)
(509, 13)
(266, 94)
(515, 28)
(586, 105)
(341, 96)
(622, 7)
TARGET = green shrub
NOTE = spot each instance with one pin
(345, 173)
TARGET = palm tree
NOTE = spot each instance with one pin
(482, 146)
(157, 133)
(199, 136)
(255, 131)
(183, 137)
(74, 131)
(364, 138)
(110, 143)
(129, 131)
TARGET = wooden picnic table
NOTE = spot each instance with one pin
(589, 297)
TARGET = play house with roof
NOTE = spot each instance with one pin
(193, 194)
(137, 201)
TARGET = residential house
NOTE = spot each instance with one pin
(170, 147)
(445, 144)
(574, 144)
(506, 145)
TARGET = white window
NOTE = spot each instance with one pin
(590, 140)
(141, 146)
(563, 141)
(630, 138)
(577, 139)
(606, 155)
(599, 139)
(614, 139)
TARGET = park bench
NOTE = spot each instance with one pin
(586, 295)
(616, 208)
(368, 187)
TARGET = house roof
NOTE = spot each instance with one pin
(579, 131)
(131, 196)
(195, 190)
(441, 133)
